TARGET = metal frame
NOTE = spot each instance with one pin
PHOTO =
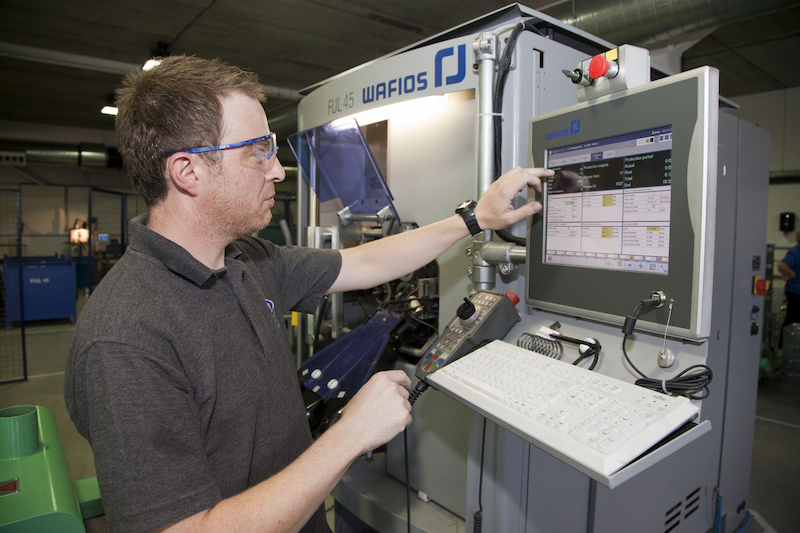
(123, 229)
(21, 295)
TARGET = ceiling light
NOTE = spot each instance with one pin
(151, 63)
(109, 110)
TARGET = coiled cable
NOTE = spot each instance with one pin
(693, 386)
(541, 345)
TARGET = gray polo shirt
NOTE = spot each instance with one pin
(182, 378)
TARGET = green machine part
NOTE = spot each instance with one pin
(36, 491)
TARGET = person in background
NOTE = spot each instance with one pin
(788, 268)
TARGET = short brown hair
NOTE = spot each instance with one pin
(174, 106)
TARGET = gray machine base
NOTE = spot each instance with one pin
(374, 501)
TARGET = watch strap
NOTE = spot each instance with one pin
(468, 215)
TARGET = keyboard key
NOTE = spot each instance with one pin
(611, 443)
(580, 434)
(649, 417)
(534, 401)
(561, 426)
(632, 428)
(497, 394)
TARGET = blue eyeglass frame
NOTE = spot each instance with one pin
(272, 137)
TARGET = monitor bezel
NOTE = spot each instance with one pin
(690, 103)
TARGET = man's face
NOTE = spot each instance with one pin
(243, 191)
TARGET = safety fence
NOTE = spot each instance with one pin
(13, 360)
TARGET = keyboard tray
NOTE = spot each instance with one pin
(670, 443)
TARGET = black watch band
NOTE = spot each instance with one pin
(465, 209)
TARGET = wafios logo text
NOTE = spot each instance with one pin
(450, 68)
(574, 127)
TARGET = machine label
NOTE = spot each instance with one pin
(429, 70)
(9, 487)
(339, 104)
(444, 73)
(574, 127)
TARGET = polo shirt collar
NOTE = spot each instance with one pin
(172, 255)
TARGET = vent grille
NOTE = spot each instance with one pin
(673, 518)
(692, 503)
(685, 509)
(12, 159)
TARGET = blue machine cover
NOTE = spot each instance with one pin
(351, 359)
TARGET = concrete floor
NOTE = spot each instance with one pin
(774, 489)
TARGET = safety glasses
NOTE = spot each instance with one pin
(258, 153)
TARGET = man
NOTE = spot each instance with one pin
(180, 373)
(788, 268)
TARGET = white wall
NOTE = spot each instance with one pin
(48, 213)
(779, 113)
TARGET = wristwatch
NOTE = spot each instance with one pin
(465, 209)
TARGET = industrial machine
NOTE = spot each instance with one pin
(638, 270)
(36, 491)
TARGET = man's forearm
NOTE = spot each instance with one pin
(786, 272)
(285, 502)
(386, 259)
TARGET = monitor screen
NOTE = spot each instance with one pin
(608, 204)
(631, 208)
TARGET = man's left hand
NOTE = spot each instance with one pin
(495, 209)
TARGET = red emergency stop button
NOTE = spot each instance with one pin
(513, 297)
(760, 286)
(598, 67)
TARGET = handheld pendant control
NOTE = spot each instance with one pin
(485, 316)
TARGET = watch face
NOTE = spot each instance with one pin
(465, 205)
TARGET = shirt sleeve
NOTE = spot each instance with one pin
(144, 429)
(792, 259)
(300, 275)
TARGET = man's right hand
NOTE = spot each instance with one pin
(380, 410)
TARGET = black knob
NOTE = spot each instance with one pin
(465, 310)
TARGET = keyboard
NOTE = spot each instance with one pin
(573, 413)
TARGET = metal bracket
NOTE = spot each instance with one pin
(384, 217)
(485, 47)
(504, 256)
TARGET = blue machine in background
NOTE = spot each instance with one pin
(48, 288)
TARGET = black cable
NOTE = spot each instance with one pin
(509, 237)
(625, 353)
(693, 386)
(323, 308)
(421, 387)
(400, 297)
(408, 481)
(411, 299)
(591, 352)
(503, 68)
(593, 349)
(477, 518)
(423, 323)
(412, 397)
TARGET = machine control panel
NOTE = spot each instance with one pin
(485, 316)
(615, 70)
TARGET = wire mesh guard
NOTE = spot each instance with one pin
(110, 213)
(12, 353)
(791, 356)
